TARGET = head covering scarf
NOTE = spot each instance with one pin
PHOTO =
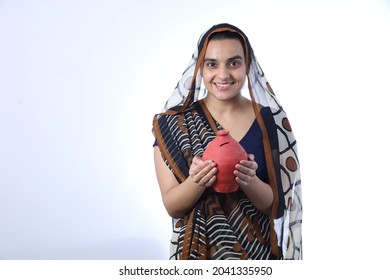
(180, 136)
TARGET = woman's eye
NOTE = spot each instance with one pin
(211, 64)
(235, 63)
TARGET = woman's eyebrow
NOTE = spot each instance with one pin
(208, 59)
(236, 57)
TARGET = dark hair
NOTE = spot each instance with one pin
(228, 35)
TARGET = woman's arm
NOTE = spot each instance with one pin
(259, 192)
(178, 198)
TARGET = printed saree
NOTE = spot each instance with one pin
(228, 226)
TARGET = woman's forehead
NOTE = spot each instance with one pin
(224, 47)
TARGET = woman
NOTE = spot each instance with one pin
(262, 220)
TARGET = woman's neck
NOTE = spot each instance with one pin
(236, 115)
(226, 107)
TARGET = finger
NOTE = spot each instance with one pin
(202, 173)
(211, 181)
(249, 164)
(208, 179)
(198, 165)
(244, 182)
(244, 177)
(197, 160)
(251, 157)
(240, 181)
(248, 169)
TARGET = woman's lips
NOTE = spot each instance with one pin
(223, 86)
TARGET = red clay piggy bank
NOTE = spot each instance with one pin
(226, 153)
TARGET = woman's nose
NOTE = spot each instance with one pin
(223, 73)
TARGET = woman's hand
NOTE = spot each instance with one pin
(203, 173)
(246, 171)
(180, 197)
(258, 192)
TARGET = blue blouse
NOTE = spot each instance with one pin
(252, 142)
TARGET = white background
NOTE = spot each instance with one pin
(80, 82)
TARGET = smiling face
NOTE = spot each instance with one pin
(223, 68)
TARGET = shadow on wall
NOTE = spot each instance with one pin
(137, 248)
